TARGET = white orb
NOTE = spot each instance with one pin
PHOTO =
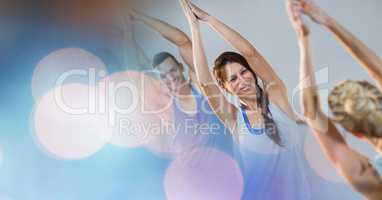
(69, 65)
(201, 174)
(137, 107)
(67, 124)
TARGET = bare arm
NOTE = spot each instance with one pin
(172, 34)
(354, 166)
(255, 59)
(363, 54)
(223, 109)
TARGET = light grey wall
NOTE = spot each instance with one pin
(264, 23)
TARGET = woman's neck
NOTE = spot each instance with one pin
(250, 102)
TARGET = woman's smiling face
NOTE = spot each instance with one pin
(239, 80)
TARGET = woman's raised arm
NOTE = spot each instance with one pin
(368, 58)
(223, 109)
(353, 165)
(172, 34)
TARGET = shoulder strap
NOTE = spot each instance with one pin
(255, 131)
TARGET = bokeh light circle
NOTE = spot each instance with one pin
(203, 173)
(67, 124)
(163, 145)
(137, 107)
(63, 66)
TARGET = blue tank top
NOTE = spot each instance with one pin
(201, 129)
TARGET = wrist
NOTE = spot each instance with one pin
(329, 22)
(210, 19)
(194, 23)
(302, 34)
(303, 40)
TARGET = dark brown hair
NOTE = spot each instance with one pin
(161, 57)
(225, 58)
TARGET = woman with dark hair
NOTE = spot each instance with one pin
(264, 126)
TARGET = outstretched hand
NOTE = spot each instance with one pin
(294, 10)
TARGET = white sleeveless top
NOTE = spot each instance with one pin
(292, 134)
(271, 171)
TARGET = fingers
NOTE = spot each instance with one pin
(185, 4)
(195, 8)
(133, 14)
(289, 8)
(200, 14)
(307, 6)
(188, 3)
(191, 8)
(294, 9)
(182, 5)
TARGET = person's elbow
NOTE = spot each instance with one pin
(183, 41)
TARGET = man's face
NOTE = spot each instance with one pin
(171, 74)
